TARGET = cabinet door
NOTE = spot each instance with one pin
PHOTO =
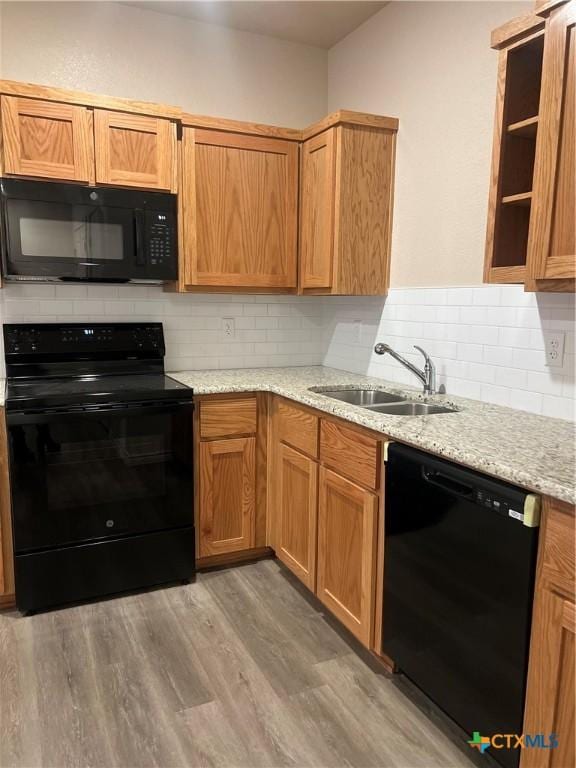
(227, 495)
(134, 150)
(552, 238)
(551, 691)
(241, 202)
(347, 516)
(317, 210)
(297, 508)
(47, 139)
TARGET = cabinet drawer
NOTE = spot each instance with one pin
(351, 453)
(225, 418)
(297, 427)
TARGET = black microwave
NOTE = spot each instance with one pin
(68, 232)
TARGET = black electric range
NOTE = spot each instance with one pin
(101, 467)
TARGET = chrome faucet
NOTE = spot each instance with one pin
(427, 376)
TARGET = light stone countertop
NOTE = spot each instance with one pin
(533, 451)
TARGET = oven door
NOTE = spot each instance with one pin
(92, 475)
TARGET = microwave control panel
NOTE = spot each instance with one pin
(160, 235)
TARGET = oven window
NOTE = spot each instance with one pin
(61, 239)
(100, 475)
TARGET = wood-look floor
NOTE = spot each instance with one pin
(237, 669)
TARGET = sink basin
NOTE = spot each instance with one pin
(411, 409)
(365, 398)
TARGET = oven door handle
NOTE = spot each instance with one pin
(14, 418)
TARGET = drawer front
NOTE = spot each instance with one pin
(351, 453)
(297, 427)
(226, 418)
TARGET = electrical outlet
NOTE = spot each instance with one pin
(229, 327)
(554, 346)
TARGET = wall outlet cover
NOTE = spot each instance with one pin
(554, 348)
(229, 327)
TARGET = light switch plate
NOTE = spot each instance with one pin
(554, 347)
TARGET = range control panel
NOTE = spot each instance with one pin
(51, 340)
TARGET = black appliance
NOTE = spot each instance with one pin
(458, 587)
(100, 453)
(70, 232)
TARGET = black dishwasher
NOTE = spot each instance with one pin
(460, 559)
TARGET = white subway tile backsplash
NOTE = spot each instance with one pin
(487, 343)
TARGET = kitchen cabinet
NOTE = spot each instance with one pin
(347, 183)
(134, 150)
(530, 233)
(347, 537)
(551, 690)
(68, 136)
(325, 502)
(227, 495)
(239, 210)
(297, 513)
(230, 438)
(47, 139)
(551, 257)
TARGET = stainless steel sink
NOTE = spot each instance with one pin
(411, 409)
(365, 398)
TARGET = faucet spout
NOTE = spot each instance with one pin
(426, 376)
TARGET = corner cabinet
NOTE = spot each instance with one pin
(531, 233)
(326, 521)
(277, 210)
(551, 691)
(239, 210)
(347, 184)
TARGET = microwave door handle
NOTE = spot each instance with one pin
(139, 239)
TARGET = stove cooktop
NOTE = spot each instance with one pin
(42, 393)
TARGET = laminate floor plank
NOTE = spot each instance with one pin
(237, 670)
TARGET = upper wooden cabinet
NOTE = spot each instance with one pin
(134, 150)
(318, 184)
(551, 238)
(347, 186)
(239, 210)
(530, 234)
(46, 139)
(50, 133)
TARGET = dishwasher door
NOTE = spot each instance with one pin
(458, 586)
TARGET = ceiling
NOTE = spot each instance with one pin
(313, 23)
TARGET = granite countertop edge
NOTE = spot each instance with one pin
(486, 437)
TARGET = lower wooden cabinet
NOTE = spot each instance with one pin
(551, 689)
(347, 539)
(227, 495)
(297, 501)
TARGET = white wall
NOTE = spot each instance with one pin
(121, 51)
(430, 64)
